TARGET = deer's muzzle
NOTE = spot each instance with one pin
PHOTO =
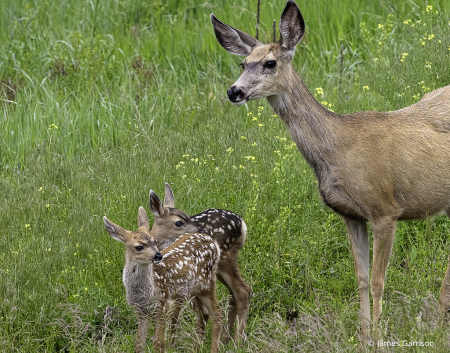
(234, 93)
(158, 257)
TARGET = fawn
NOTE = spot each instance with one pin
(225, 227)
(163, 280)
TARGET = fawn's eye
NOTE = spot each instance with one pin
(179, 224)
(139, 248)
(270, 64)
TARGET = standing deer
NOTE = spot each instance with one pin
(184, 270)
(377, 167)
(229, 231)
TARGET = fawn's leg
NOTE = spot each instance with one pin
(173, 314)
(141, 336)
(160, 329)
(209, 300)
(239, 302)
(202, 317)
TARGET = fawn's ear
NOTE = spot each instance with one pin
(169, 200)
(117, 232)
(156, 205)
(233, 40)
(292, 27)
(143, 220)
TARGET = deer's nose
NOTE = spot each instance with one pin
(158, 256)
(233, 93)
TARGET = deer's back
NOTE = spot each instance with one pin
(393, 162)
(226, 227)
(188, 266)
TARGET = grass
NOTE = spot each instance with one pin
(102, 101)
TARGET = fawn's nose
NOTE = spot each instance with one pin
(158, 257)
(234, 93)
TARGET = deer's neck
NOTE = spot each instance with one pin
(310, 125)
(139, 283)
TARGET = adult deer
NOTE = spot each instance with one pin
(379, 167)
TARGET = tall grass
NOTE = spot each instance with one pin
(102, 101)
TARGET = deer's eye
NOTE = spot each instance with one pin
(179, 224)
(139, 248)
(270, 64)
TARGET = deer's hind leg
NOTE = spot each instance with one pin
(239, 302)
(201, 316)
(209, 300)
(444, 297)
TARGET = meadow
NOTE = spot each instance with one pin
(102, 101)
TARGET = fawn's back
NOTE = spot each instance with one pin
(188, 266)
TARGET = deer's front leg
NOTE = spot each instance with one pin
(383, 239)
(160, 327)
(359, 239)
(142, 331)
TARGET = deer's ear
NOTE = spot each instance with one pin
(292, 27)
(143, 220)
(233, 40)
(156, 205)
(115, 231)
(169, 200)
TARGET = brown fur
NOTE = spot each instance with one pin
(187, 270)
(380, 167)
(229, 231)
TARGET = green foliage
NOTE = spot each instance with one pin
(102, 101)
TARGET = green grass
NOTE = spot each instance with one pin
(102, 101)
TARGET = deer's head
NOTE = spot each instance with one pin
(170, 222)
(266, 67)
(140, 246)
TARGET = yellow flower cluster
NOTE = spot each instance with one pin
(319, 91)
(326, 104)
